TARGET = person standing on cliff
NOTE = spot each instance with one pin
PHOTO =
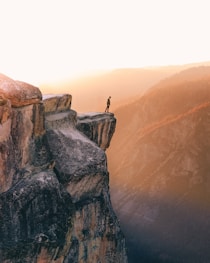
(108, 104)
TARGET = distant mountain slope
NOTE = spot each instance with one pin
(159, 164)
(90, 93)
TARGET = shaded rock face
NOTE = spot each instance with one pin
(54, 192)
(35, 213)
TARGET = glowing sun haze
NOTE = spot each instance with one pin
(51, 40)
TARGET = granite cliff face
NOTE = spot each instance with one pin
(54, 183)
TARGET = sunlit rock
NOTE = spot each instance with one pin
(21, 130)
(19, 93)
(57, 103)
(5, 110)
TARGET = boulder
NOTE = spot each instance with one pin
(57, 103)
(19, 93)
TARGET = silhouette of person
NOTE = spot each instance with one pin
(108, 104)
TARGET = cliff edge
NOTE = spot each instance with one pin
(54, 183)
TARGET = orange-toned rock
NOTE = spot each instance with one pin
(19, 93)
(57, 103)
(5, 109)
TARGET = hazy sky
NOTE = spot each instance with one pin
(50, 40)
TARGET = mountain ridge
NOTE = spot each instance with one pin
(169, 119)
(90, 93)
(160, 175)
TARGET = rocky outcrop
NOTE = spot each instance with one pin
(35, 214)
(19, 93)
(57, 103)
(5, 110)
(54, 193)
(97, 127)
(22, 138)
